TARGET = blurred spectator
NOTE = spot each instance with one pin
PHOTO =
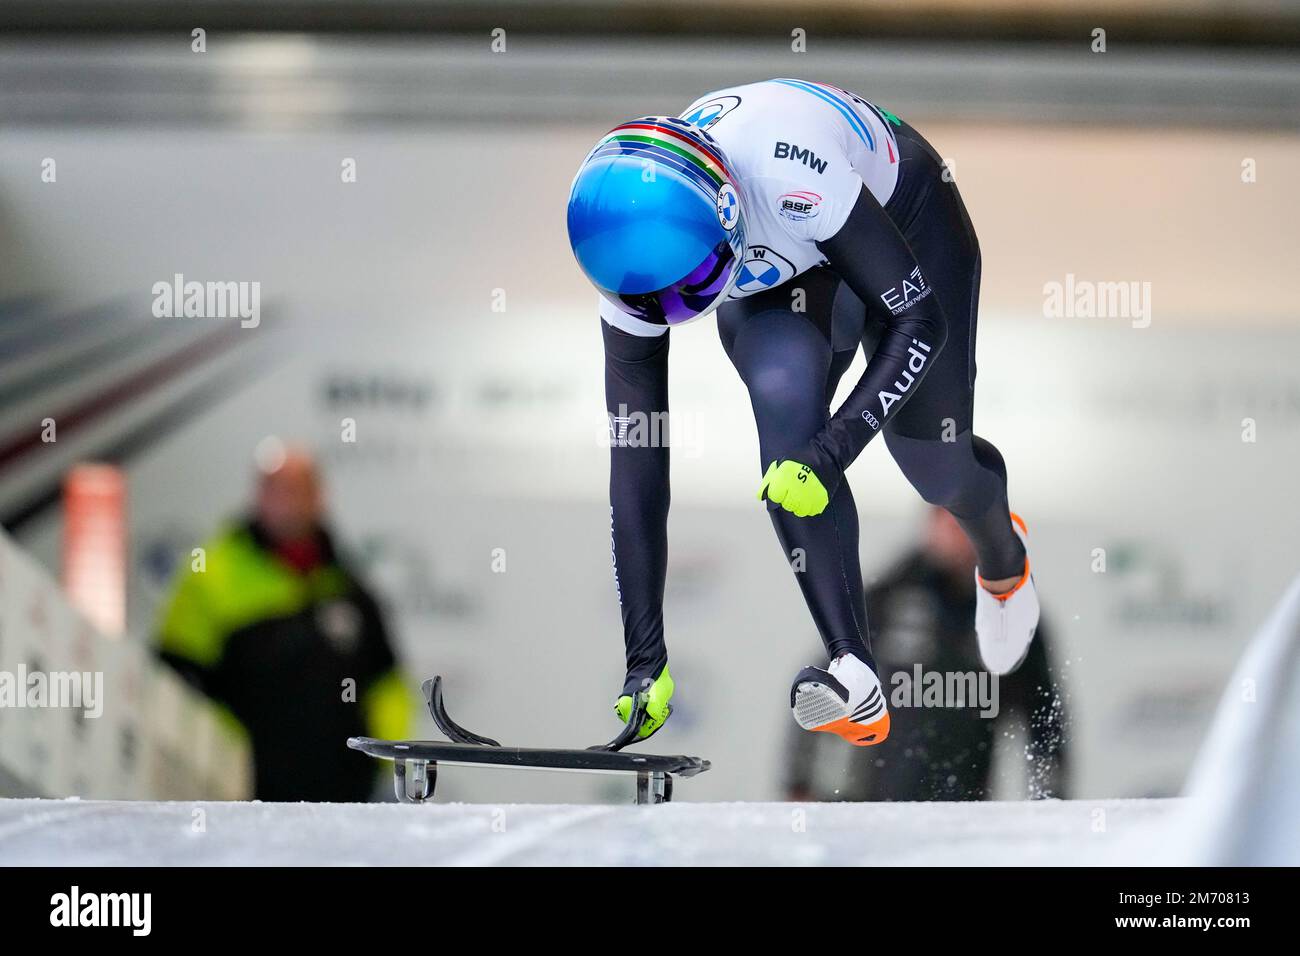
(922, 613)
(275, 627)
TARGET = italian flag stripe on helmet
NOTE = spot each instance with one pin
(678, 141)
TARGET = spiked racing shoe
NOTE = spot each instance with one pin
(1005, 623)
(845, 698)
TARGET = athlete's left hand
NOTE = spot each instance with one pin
(795, 487)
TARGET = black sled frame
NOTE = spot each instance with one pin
(415, 762)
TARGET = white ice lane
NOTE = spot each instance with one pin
(71, 832)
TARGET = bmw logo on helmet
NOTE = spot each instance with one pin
(728, 207)
(656, 220)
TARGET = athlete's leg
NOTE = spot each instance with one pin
(931, 437)
(788, 365)
(967, 477)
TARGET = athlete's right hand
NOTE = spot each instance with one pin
(656, 702)
(795, 487)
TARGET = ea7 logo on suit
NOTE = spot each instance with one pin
(795, 152)
(905, 295)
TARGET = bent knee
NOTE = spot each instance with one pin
(943, 473)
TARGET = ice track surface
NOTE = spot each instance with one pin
(89, 832)
(1240, 809)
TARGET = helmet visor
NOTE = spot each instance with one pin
(688, 298)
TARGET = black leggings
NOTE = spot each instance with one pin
(791, 362)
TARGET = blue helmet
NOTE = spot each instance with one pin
(656, 221)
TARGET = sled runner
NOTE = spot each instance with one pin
(415, 762)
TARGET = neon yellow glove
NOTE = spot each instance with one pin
(657, 705)
(795, 487)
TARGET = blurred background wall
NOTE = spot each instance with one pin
(1169, 159)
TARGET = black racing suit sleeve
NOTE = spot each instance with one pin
(636, 399)
(873, 258)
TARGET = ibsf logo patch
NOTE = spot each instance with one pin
(728, 207)
(799, 206)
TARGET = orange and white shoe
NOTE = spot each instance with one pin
(844, 699)
(1005, 623)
